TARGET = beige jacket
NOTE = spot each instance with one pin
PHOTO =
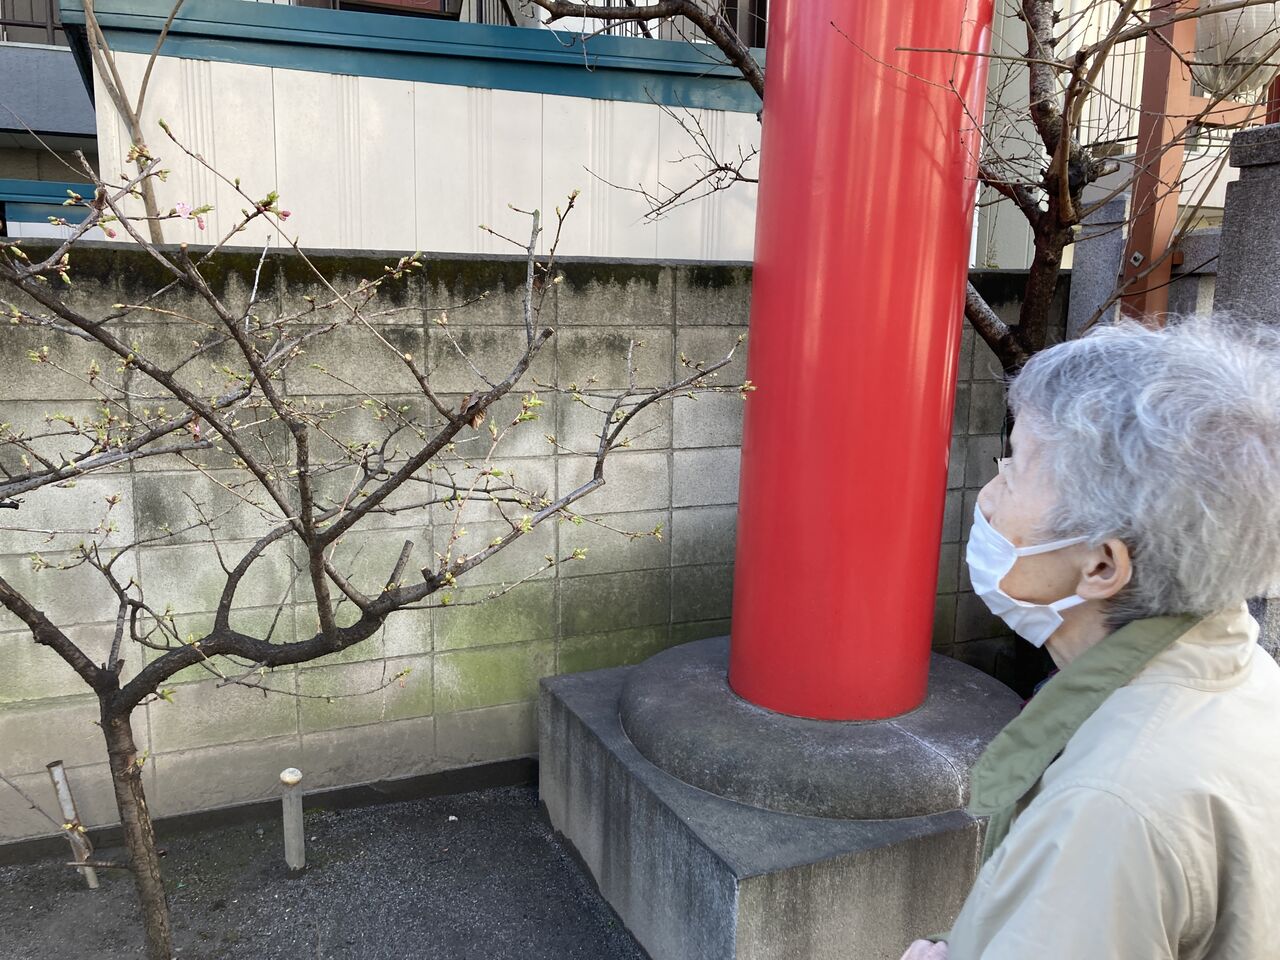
(1156, 833)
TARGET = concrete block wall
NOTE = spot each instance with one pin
(470, 694)
(963, 627)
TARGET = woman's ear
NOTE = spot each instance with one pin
(1107, 570)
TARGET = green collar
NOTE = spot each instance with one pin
(1019, 755)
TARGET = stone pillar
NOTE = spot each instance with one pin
(1248, 280)
(1095, 264)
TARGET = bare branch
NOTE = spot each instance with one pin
(994, 331)
(712, 23)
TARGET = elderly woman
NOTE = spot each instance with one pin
(1135, 802)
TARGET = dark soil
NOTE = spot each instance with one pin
(403, 881)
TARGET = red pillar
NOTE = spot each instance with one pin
(862, 243)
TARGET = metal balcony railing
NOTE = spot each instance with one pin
(749, 18)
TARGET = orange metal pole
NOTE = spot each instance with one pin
(1153, 206)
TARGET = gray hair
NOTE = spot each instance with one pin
(1169, 440)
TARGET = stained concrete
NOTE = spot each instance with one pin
(696, 876)
(680, 713)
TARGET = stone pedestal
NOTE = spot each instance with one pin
(1248, 280)
(721, 831)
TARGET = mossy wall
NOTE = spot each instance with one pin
(470, 691)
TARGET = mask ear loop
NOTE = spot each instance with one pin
(1049, 547)
(981, 523)
(1001, 457)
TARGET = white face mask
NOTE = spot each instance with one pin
(991, 556)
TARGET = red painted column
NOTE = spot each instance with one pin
(863, 234)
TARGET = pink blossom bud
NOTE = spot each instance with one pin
(285, 214)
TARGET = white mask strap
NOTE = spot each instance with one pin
(980, 520)
(1066, 603)
(1049, 547)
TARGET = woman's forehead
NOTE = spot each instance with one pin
(1024, 441)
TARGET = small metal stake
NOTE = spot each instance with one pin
(295, 850)
(81, 848)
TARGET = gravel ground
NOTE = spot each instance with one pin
(402, 880)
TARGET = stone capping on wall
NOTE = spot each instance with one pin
(121, 263)
(537, 60)
(1256, 147)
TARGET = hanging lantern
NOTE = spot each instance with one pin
(1230, 45)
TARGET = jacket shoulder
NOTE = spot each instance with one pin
(1171, 734)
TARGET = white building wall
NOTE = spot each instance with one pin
(19, 228)
(378, 164)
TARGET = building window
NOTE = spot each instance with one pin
(31, 21)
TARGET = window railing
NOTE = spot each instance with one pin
(443, 9)
(748, 17)
(500, 12)
(31, 21)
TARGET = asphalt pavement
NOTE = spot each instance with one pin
(474, 876)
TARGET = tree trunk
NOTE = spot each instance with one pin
(140, 837)
(1037, 299)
